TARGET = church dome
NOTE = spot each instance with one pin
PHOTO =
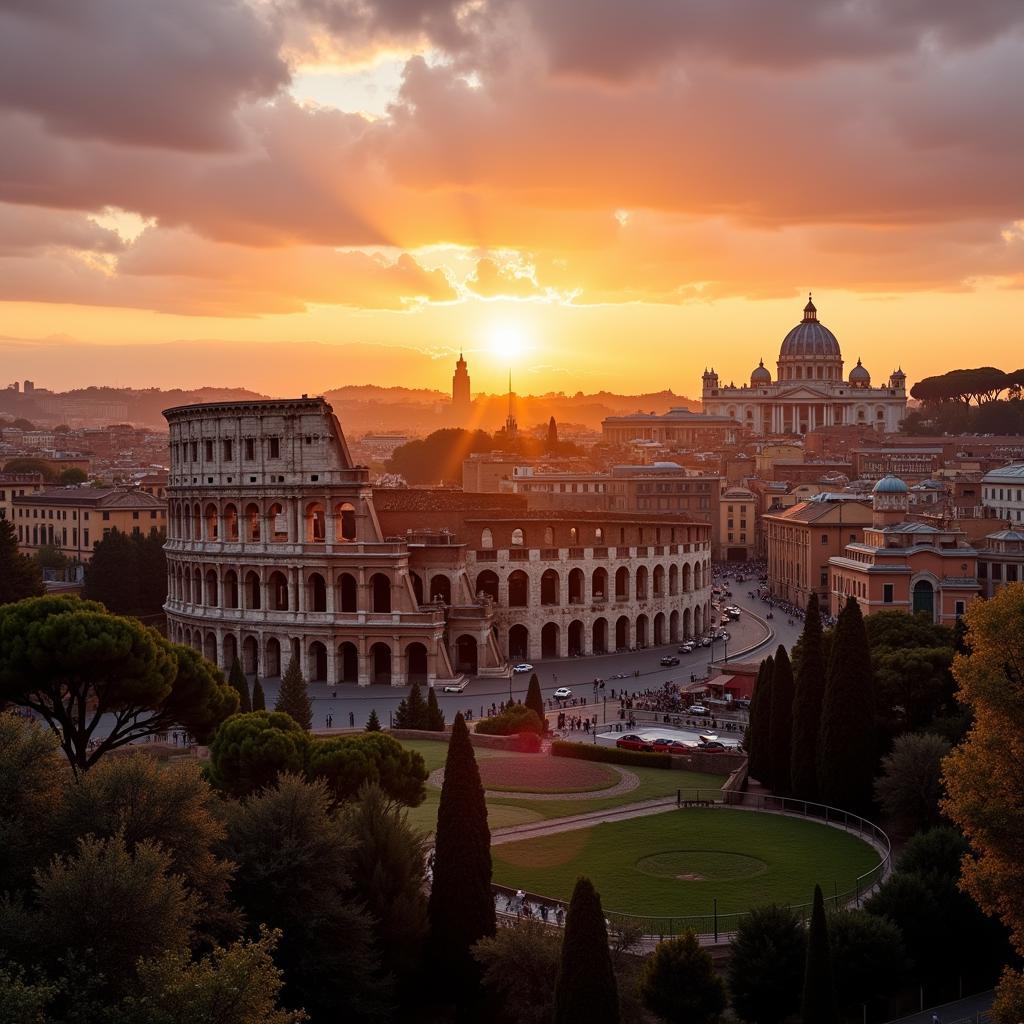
(890, 485)
(859, 375)
(810, 339)
(760, 374)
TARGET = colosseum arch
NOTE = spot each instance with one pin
(344, 522)
(252, 522)
(197, 523)
(211, 588)
(687, 578)
(698, 621)
(380, 663)
(229, 651)
(659, 629)
(348, 662)
(550, 587)
(518, 643)
(277, 524)
(576, 586)
(197, 586)
(599, 636)
(315, 523)
(622, 584)
(487, 583)
(642, 634)
(673, 626)
(518, 589)
(231, 523)
(250, 656)
(212, 522)
(466, 654)
(550, 635)
(599, 584)
(687, 624)
(210, 647)
(273, 659)
(317, 662)
(348, 593)
(441, 586)
(416, 663)
(575, 638)
(317, 596)
(641, 583)
(231, 589)
(417, 586)
(673, 580)
(380, 590)
(658, 581)
(277, 587)
(621, 633)
(253, 590)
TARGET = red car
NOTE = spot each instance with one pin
(632, 742)
(712, 748)
(665, 746)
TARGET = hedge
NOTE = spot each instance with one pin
(517, 718)
(610, 755)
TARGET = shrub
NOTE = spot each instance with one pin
(610, 755)
(250, 750)
(517, 718)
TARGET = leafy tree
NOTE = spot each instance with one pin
(387, 873)
(520, 966)
(134, 798)
(346, 763)
(250, 751)
(292, 851)
(780, 727)
(766, 967)
(434, 714)
(373, 722)
(535, 700)
(50, 556)
(846, 753)
(237, 985)
(259, 699)
(809, 691)
(236, 677)
(76, 665)
(586, 988)
(818, 1005)
(19, 574)
(868, 956)
(112, 574)
(412, 711)
(293, 697)
(461, 907)
(71, 476)
(33, 777)
(152, 568)
(23, 464)
(759, 728)
(983, 779)
(23, 1001)
(910, 786)
(905, 900)
(515, 719)
(107, 907)
(1008, 1007)
(679, 984)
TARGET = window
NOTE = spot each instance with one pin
(275, 448)
(853, 538)
(85, 538)
(228, 452)
(887, 593)
(250, 448)
(824, 538)
(517, 537)
(195, 451)
(959, 608)
(106, 517)
(208, 446)
(135, 515)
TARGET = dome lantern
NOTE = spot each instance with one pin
(859, 376)
(760, 374)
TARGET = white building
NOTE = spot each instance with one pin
(1003, 491)
(809, 390)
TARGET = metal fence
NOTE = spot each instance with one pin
(712, 924)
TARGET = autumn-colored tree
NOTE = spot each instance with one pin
(983, 779)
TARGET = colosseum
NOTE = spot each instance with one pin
(278, 547)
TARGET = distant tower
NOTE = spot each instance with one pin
(460, 389)
(552, 444)
(889, 501)
(511, 427)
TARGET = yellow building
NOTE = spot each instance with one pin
(76, 518)
(737, 522)
(13, 485)
(801, 540)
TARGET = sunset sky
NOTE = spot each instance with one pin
(602, 194)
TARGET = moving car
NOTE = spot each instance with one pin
(697, 709)
(687, 648)
(456, 687)
(632, 742)
(524, 667)
(666, 746)
(563, 693)
(669, 660)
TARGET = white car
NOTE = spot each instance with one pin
(697, 709)
(456, 687)
(563, 693)
(524, 667)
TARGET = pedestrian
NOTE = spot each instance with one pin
(935, 1019)
(351, 719)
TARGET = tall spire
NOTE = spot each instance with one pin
(511, 427)
(810, 310)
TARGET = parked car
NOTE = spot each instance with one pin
(456, 687)
(632, 742)
(714, 747)
(742, 704)
(697, 709)
(705, 641)
(666, 746)
(669, 660)
(687, 648)
(523, 667)
(563, 693)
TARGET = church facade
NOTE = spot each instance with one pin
(809, 389)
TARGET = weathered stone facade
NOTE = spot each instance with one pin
(277, 548)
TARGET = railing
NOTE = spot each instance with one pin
(713, 924)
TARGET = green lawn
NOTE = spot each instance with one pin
(677, 863)
(502, 812)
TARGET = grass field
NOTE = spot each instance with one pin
(677, 863)
(503, 812)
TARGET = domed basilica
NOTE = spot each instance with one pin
(809, 390)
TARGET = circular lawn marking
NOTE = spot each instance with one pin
(700, 865)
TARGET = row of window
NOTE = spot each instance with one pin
(997, 493)
(1009, 572)
(62, 514)
(576, 536)
(188, 451)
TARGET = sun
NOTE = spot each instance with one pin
(507, 341)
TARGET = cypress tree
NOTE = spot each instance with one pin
(846, 752)
(535, 701)
(781, 725)
(373, 722)
(293, 698)
(761, 722)
(412, 711)
(586, 989)
(461, 906)
(435, 716)
(819, 1000)
(19, 575)
(259, 698)
(236, 677)
(808, 694)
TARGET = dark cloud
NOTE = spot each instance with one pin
(167, 73)
(438, 22)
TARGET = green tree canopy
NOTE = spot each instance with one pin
(758, 738)
(127, 573)
(293, 697)
(101, 679)
(678, 983)
(24, 464)
(780, 727)
(766, 967)
(910, 786)
(586, 988)
(236, 677)
(412, 711)
(868, 956)
(20, 575)
(373, 722)
(259, 699)
(535, 700)
(808, 694)
(818, 1005)
(434, 714)
(250, 751)
(347, 763)
(520, 966)
(72, 475)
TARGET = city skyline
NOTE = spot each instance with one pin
(418, 179)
